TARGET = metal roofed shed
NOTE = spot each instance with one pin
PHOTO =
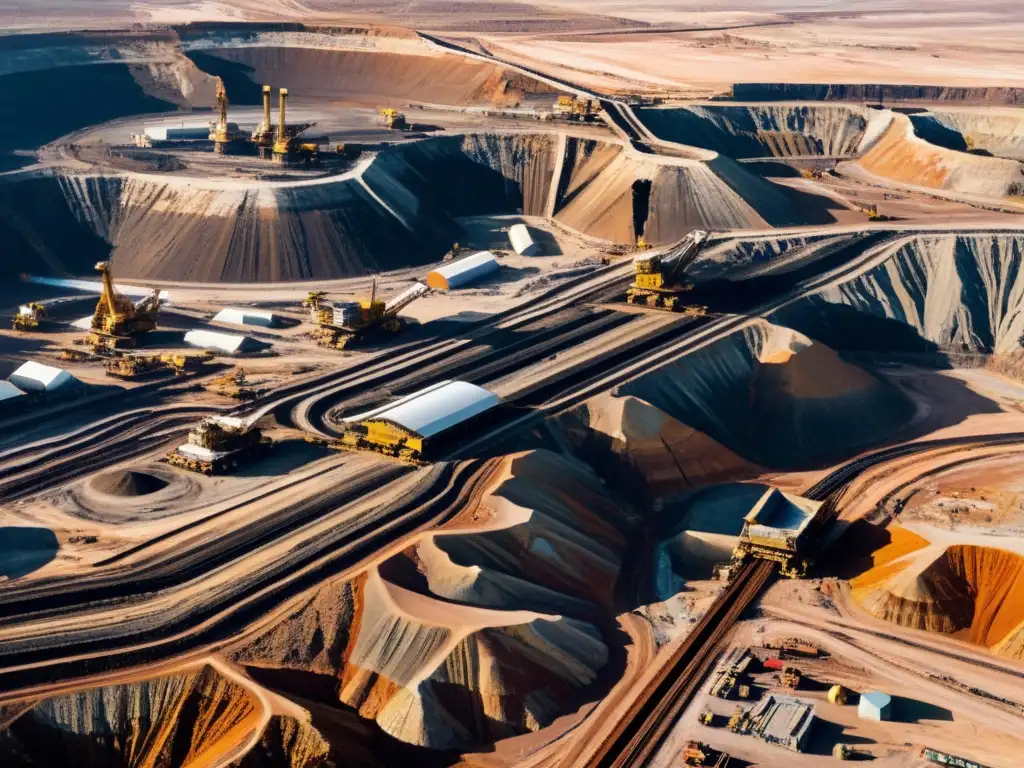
(226, 343)
(463, 271)
(411, 426)
(875, 705)
(782, 720)
(190, 132)
(522, 241)
(9, 394)
(36, 377)
(245, 316)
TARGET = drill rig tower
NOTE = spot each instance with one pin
(263, 136)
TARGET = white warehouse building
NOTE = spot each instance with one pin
(522, 241)
(463, 271)
(245, 316)
(226, 343)
(36, 377)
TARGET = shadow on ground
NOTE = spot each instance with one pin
(24, 550)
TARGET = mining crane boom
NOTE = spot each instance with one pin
(352, 322)
(657, 281)
(117, 321)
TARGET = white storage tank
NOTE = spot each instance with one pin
(463, 271)
(36, 377)
(522, 240)
(875, 705)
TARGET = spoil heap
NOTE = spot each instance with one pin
(961, 292)
(127, 483)
(902, 156)
(434, 645)
(776, 398)
(763, 130)
(991, 132)
(188, 719)
(973, 591)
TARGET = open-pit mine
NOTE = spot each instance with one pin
(496, 385)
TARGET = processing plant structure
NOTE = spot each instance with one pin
(658, 281)
(118, 322)
(353, 322)
(778, 528)
(219, 445)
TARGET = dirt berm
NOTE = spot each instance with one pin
(776, 398)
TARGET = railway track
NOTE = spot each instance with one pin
(640, 734)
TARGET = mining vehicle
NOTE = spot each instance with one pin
(222, 133)
(182, 364)
(29, 316)
(790, 678)
(117, 321)
(130, 367)
(350, 323)
(657, 282)
(706, 717)
(234, 384)
(738, 721)
(577, 108)
(944, 758)
(393, 119)
(218, 445)
(697, 753)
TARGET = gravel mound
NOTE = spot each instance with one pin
(128, 483)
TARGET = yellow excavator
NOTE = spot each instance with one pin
(29, 316)
(393, 119)
(118, 321)
(657, 282)
(352, 322)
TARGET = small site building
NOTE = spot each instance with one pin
(256, 317)
(418, 423)
(522, 241)
(225, 343)
(782, 720)
(10, 396)
(36, 377)
(184, 132)
(463, 271)
(875, 705)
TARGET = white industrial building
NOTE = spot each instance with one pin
(36, 377)
(9, 394)
(183, 132)
(245, 316)
(226, 343)
(875, 705)
(463, 271)
(522, 241)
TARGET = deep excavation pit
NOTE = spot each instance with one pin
(969, 591)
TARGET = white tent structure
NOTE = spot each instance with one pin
(245, 316)
(36, 377)
(226, 343)
(9, 394)
(464, 271)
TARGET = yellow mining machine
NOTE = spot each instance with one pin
(118, 321)
(222, 133)
(219, 444)
(657, 280)
(234, 384)
(286, 147)
(263, 136)
(790, 678)
(132, 367)
(697, 753)
(393, 119)
(29, 316)
(577, 108)
(352, 322)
